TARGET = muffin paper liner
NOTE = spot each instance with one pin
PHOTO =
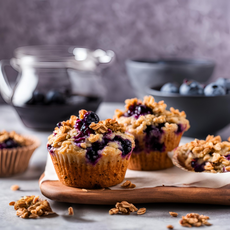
(155, 160)
(75, 171)
(14, 161)
(177, 163)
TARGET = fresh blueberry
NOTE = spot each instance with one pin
(38, 97)
(126, 145)
(92, 155)
(213, 89)
(78, 124)
(169, 88)
(224, 82)
(8, 144)
(138, 110)
(197, 167)
(59, 124)
(55, 97)
(91, 117)
(191, 88)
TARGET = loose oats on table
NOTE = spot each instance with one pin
(126, 208)
(32, 207)
(194, 220)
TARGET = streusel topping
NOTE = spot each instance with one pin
(88, 135)
(210, 155)
(138, 115)
(11, 140)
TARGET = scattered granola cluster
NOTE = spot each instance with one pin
(126, 208)
(210, 155)
(128, 184)
(31, 207)
(194, 220)
(158, 115)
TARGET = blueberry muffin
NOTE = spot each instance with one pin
(15, 152)
(210, 155)
(88, 153)
(156, 130)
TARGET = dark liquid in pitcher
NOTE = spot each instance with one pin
(45, 117)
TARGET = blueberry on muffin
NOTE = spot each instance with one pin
(89, 153)
(210, 155)
(156, 130)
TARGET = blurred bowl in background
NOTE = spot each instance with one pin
(154, 72)
(206, 115)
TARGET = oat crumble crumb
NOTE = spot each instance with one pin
(169, 226)
(70, 211)
(174, 214)
(14, 187)
(128, 184)
(141, 211)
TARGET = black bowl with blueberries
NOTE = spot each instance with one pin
(145, 72)
(207, 106)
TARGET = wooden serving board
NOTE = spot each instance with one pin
(55, 190)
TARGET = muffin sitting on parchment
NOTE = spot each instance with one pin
(156, 130)
(88, 153)
(210, 155)
(15, 152)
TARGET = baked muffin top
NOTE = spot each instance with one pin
(140, 114)
(11, 139)
(89, 137)
(210, 155)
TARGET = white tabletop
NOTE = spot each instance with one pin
(86, 216)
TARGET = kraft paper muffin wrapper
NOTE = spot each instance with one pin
(75, 171)
(177, 162)
(14, 161)
(155, 160)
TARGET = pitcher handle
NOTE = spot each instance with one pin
(5, 88)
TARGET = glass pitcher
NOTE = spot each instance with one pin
(54, 82)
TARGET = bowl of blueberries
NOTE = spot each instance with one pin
(144, 72)
(206, 106)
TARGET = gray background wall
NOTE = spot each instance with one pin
(132, 28)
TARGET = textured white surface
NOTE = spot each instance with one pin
(88, 217)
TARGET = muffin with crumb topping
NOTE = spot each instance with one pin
(157, 131)
(15, 152)
(210, 155)
(89, 153)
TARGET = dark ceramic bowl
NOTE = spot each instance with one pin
(154, 72)
(206, 115)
